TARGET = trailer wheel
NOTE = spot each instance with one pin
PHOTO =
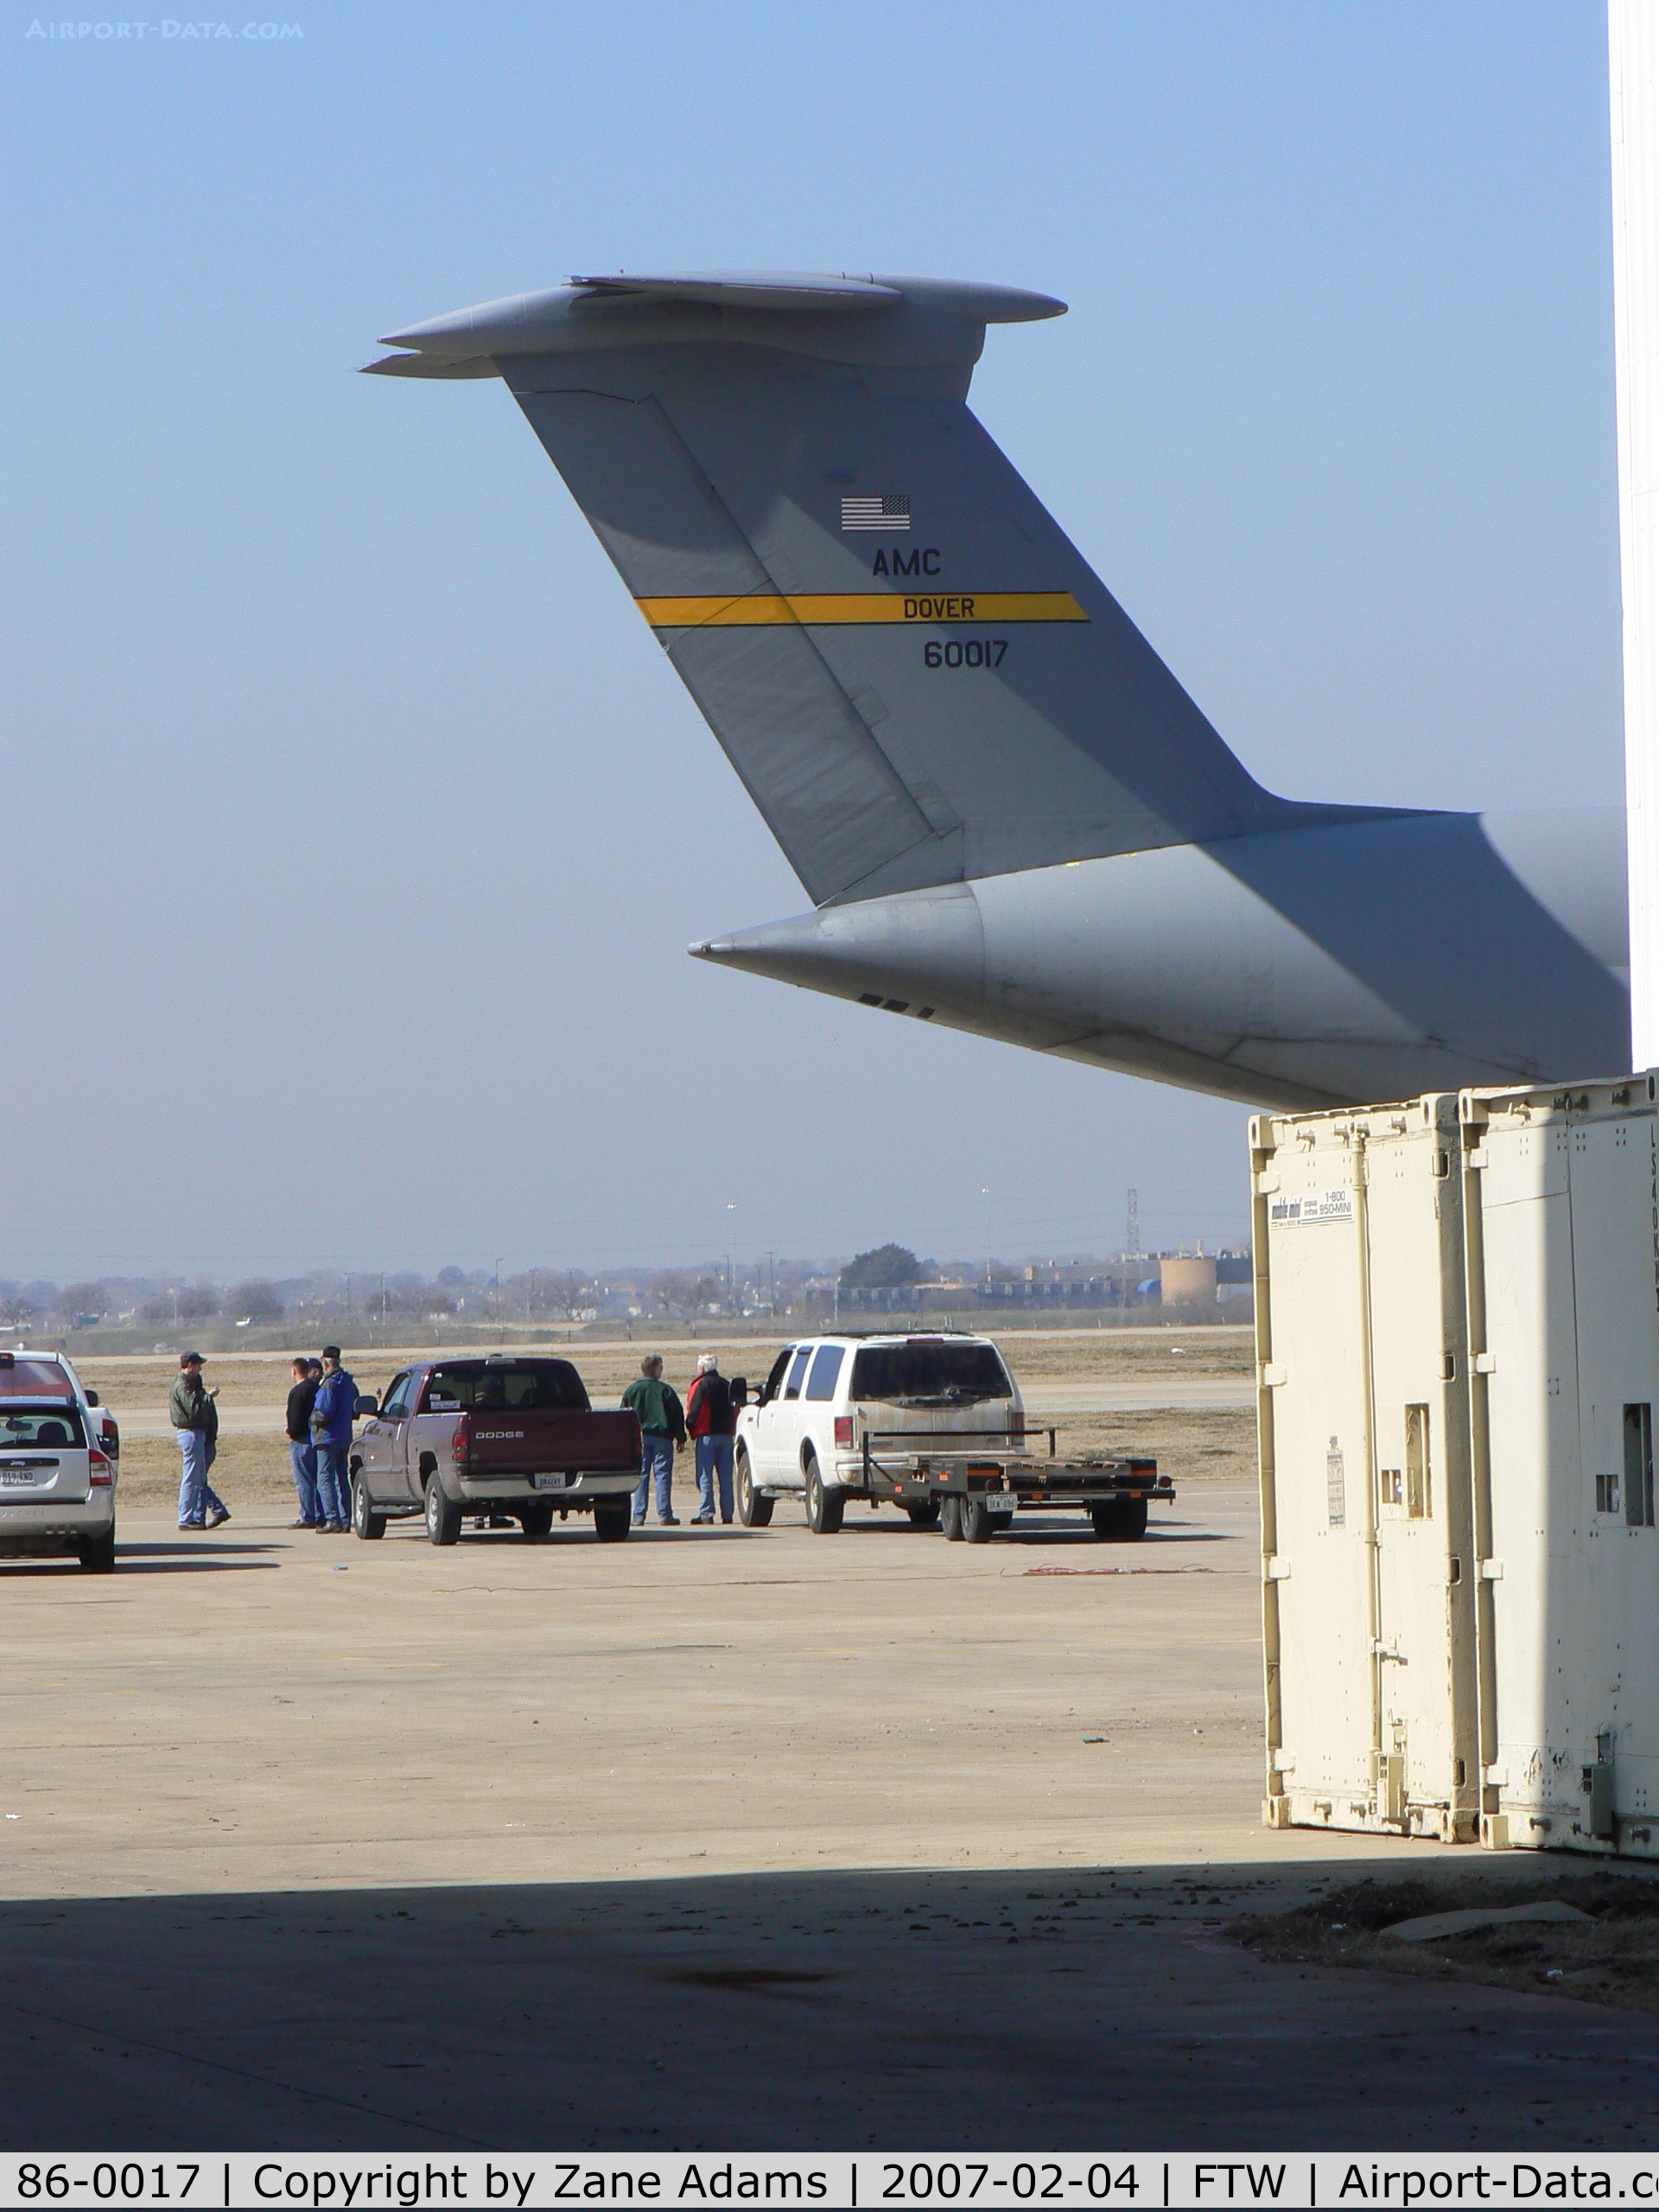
(1119, 1520)
(824, 1506)
(925, 1515)
(978, 1522)
(442, 1519)
(950, 1518)
(752, 1510)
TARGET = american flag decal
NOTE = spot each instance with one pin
(875, 511)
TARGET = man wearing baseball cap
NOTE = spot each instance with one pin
(711, 1418)
(195, 1417)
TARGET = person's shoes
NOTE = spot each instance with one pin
(703, 1520)
(639, 1524)
(193, 1526)
(301, 1524)
(725, 1520)
(338, 1528)
(320, 1528)
(671, 1520)
(218, 1518)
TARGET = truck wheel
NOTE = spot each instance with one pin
(825, 1507)
(925, 1515)
(612, 1518)
(1119, 1520)
(752, 1510)
(978, 1522)
(366, 1521)
(950, 1517)
(537, 1520)
(442, 1519)
(97, 1553)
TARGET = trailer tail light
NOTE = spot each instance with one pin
(100, 1472)
(461, 1444)
(843, 1431)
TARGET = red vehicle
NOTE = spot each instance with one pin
(509, 1438)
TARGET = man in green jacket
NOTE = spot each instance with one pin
(662, 1432)
(195, 1418)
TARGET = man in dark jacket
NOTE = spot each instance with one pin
(332, 1414)
(662, 1432)
(711, 1419)
(195, 1419)
(301, 1452)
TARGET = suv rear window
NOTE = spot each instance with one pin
(522, 1385)
(33, 1378)
(930, 1371)
(41, 1428)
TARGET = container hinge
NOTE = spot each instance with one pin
(1266, 1182)
(1494, 1777)
(1278, 1568)
(1381, 1651)
(1492, 1570)
(1476, 1156)
(1284, 1762)
(1483, 1362)
(1273, 1378)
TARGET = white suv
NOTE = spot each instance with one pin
(57, 1478)
(804, 1434)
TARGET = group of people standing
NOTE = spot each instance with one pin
(708, 1419)
(320, 1408)
(322, 1404)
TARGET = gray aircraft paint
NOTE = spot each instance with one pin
(1054, 847)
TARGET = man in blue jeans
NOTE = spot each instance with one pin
(196, 1420)
(662, 1432)
(711, 1419)
(301, 1452)
(332, 1414)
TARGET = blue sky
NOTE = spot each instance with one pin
(358, 831)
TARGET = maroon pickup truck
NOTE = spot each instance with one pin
(507, 1438)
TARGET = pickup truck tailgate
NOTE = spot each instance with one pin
(542, 1442)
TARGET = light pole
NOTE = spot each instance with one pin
(985, 1193)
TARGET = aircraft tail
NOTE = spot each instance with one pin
(916, 675)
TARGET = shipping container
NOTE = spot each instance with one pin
(1368, 1623)
(1457, 1360)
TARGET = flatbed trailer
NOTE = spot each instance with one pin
(974, 1483)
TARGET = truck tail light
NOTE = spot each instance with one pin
(100, 1472)
(1016, 1424)
(843, 1431)
(461, 1444)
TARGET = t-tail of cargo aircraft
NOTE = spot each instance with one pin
(1008, 815)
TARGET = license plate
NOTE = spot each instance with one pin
(549, 1482)
(14, 1480)
(1000, 1501)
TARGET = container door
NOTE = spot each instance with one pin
(1321, 1471)
(1426, 1748)
(1602, 1545)
(1536, 1459)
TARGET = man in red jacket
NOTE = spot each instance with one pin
(711, 1419)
